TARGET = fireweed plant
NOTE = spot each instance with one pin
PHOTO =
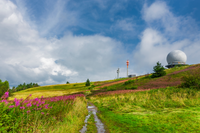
(33, 115)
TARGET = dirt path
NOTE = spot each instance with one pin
(100, 126)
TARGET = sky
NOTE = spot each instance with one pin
(55, 41)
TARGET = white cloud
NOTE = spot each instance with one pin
(155, 44)
(155, 11)
(27, 57)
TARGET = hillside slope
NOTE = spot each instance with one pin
(173, 78)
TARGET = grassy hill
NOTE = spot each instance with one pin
(139, 104)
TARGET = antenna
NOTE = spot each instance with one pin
(127, 63)
(118, 73)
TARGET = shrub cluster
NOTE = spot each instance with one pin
(91, 87)
(128, 82)
(131, 88)
(24, 86)
(191, 80)
(111, 89)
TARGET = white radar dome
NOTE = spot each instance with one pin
(176, 57)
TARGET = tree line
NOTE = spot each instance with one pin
(4, 86)
(24, 86)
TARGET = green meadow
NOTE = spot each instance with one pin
(63, 108)
(160, 110)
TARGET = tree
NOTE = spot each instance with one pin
(4, 86)
(67, 82)
(87, 83)
(158, 71)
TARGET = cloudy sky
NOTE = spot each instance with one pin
(54, 41)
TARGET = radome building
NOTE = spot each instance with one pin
(176, 57)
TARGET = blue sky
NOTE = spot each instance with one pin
(54, 41)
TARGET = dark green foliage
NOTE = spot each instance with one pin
(87, 83)
(131, 88)
(67, 82)
(128, 82)
(105, 87)
(4, 86)
(5, 118)
(111, 89)
(24, 86)
(91, 87)
(158, 71)
(191, 81)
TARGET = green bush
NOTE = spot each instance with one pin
(87, 83)
(191, 81)
(134, 87)
(91, 87)
(128, 82)
(105, 87)
(131, 88)
(158, 71)
(111, 89)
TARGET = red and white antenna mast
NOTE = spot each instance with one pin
(127, 63)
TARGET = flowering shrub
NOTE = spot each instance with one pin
(22, 113)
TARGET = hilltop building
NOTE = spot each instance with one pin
(176, 57)
(131, 76)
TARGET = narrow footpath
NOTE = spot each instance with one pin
(100, 126)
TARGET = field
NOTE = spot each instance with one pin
(51, 91)
(159, 110)
(140, 104)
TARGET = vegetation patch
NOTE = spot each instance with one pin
(159, 110)
(56, 114)
(50, 91)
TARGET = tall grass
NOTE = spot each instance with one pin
(160, 110)
(43, 114)
(154, 100)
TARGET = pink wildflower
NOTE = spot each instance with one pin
(17, 103)
(11, 106)
(6, 94)
(28, 111)
(42, 112)
(29, 105)
(6, 102)
(22, 107)
(36, 99)
(46, 106)
(39, 108)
